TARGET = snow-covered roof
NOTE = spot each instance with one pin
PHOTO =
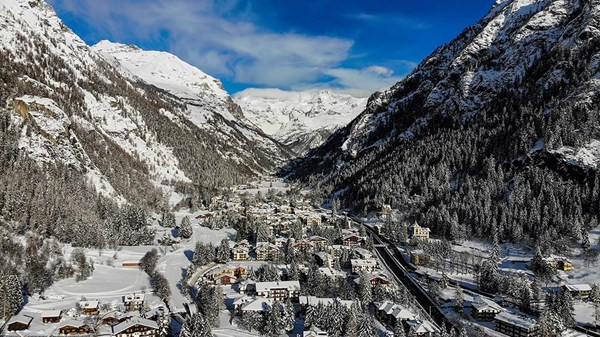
(21, 318)
(133, 322)
(422, 326)
(89, 304)
(363, 262)
(135, 297)
(578, 287)
(512, 319)
(395, 310)
(257, 304)
(73, 323)
(267, 286)
(313, 301)
(51, 313)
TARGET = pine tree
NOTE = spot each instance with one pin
(185, 229)
(365, 291)
(149, 262)
(168, 219)
(11, 295)
(550, 324)
(459, 299)
(195, 326)
(567, 309)
(161, 287)
(223, 252)
(275, 322)
(366, 327)
(289, 317)
(164, 325)
(399, 329)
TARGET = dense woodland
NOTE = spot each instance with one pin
(470, 174)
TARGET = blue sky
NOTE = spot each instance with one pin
(352, 46)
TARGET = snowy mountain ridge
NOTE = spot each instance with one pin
(301, 120)
(118, 117)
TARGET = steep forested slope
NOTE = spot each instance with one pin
(496, 132)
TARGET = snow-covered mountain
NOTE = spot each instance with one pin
(301, 120)
(137, 124)
(502, 119)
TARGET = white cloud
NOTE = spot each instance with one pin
(218, 37)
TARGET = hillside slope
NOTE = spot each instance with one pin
(495, 133)
(78, 134)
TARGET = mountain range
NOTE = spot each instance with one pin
(300, 120)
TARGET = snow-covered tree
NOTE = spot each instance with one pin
(149, 262)
(168, 219)
(275, 322)
(223, 251)
(364, 291)
(185, 229)
(459, 299)
(196, 326)
(11, 295)
(164, 325)
(161, 287)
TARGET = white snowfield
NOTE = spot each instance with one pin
(163, 70)
(291, 116)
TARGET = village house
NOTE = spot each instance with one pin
(279, 290)
(363, 266)
(90, 307)
(266, 251)
(303, 246)
(331, 273)
(386, 211)
(422, 328)
(239, 303)
(362, 253)
(134, 302)
(420, 233)
(240, 253)
(559, 262)
(247, 287)
(352, 240)
(114, 318)
(240, 272)
(132, 263)
(135, 327)
(391, 313)
(74, 327)
(281, 242)
(259, 305)
(319, 242)
(325, 259)
(418, 257)
(224, 275)
(313, 220)
(51, 316)
(19, 322)
(375, 279)
(578, 291)
(485, 310)
(515, 326)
